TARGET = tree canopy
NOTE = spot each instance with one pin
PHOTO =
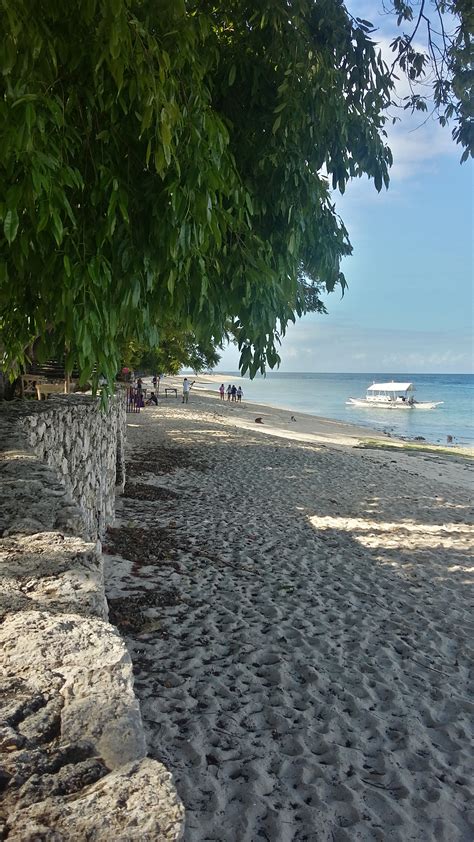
(173, 162)
(176, 350)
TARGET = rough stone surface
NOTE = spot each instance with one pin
(51, 570)
(33, 498)
(73, 760)
(82, 442)
(97, 700)
(136, 802)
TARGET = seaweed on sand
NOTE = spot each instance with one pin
(140, 491)
(164, 460)
(144, 547)
(128, 613)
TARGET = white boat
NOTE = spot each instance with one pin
(392, 396)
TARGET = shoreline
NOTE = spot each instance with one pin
(297, 613)
(308, 427)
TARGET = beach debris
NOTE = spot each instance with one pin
(142, 491)
(259, 420)
(143, 548)
(129, 615)
(164, 460)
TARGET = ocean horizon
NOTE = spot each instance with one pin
(325, 394)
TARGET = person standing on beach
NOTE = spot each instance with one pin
(234, 393)
(229, 392)
(140, 393)
(240, 392)
(222, 391)
(186, 389)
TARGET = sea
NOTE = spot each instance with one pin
(326, 395)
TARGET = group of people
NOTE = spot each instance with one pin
(140, 398)
(152, 397)
(233, 393)
(138, 393)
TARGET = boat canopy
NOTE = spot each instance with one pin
(391, 387)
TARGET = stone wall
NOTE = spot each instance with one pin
(73, 762)
(83, 443)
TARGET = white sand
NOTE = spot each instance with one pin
(312, 681)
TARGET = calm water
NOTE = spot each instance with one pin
(326, 395)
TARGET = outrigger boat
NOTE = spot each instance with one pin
(392, 396)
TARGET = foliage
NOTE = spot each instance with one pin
(168, 161)
(174, 352)
(444, 65)
(93, 113)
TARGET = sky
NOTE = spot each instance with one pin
(409, 306)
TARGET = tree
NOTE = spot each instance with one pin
(173, 162)
(174, 352)
(93, 113)
(443, 65)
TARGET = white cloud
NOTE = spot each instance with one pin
(417, 146)
(341, 345)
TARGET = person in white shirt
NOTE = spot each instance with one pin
(186, 389)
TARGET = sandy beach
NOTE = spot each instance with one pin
(298, 614)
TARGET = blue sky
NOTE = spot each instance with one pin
(409, 306)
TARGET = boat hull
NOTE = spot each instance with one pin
(398, 404)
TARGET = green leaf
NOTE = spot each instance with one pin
(43, 217)
(37, 181)
(10, 225)
(136, 293)
(29, 115)
(123, 206)
(25, 98)
(58, 229)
